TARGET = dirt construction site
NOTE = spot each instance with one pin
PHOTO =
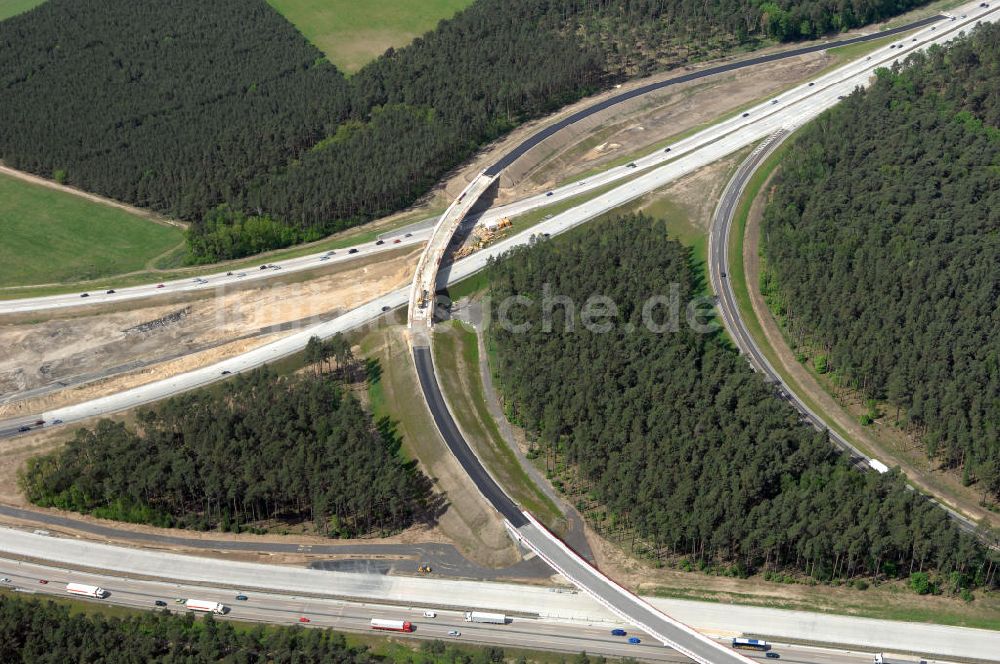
(90, 352)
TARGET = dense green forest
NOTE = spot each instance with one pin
(680, 440)
(257, 450)
(36, 631)
(187, 106)
(881, 242)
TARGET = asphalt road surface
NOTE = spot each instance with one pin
(718, 261)
(796, 106)
(344, 616)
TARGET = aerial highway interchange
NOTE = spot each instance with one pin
(781, 114)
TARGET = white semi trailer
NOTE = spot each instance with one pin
(88, 591)
(205, 605)
(480, 617)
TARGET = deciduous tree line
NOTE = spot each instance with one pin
(676, 435)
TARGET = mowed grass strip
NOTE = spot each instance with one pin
(10, 8)
(50, 236)
(352, 33)
(456, 355)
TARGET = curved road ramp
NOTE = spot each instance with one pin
(554, 551)
(421, 308)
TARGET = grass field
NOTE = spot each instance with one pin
(10, 8)
(50, 236)
(352, 33)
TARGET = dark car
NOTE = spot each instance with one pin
(110, 291)
(226, 372)
(408, 235)
(772, 655)
(353, 251)
(548, 193)
(840, 97)
(667, 150)
(812, 83)
(722, 274)
(57, 421)
(84, 294)
(263, 267)
(380, 242)
(634, 640)
(229, 274)
(39, 423)
(632, 165)
(746, 115)
(618, 632)
(386, 308)
(44, 582)
(159, 602)
(159, 285)
(22, 429)
(241, 598)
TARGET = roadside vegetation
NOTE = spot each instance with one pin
(43, 630)
(261, 452)
(176, 83)
(51, 236)
(669, 443)
(879, 249)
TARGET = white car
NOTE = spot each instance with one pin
(5, 580)
(454, 632)
(430, 614)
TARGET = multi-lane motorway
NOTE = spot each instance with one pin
(651, 172)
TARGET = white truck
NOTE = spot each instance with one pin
(880, 658)
(205, 605)
(878, 465)
(480, 617)
(88, 591)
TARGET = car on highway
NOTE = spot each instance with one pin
(241, 598)
(110, 291)
(226, 372)
(634, 640)
(386, 308)
(548, 193)
(774, 101)
(380, 242)
(397, 241)
(57, 421)
(324, 258)
(408, 235)
(241, 275)
(22, 429)
(330, 253)
(454, 632)
(746, 115)
(159, 602)
(772, 655)
(618, 631)
(303, 619)
(229, 274)
(159, 285)
(44, 582)
(667, 150)
(39, 423)
(5, 580)
(812, 83)
(84, 294)
(263, 267)
(722, 274)
(430, 614)
(353, 251)
(632, 165)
